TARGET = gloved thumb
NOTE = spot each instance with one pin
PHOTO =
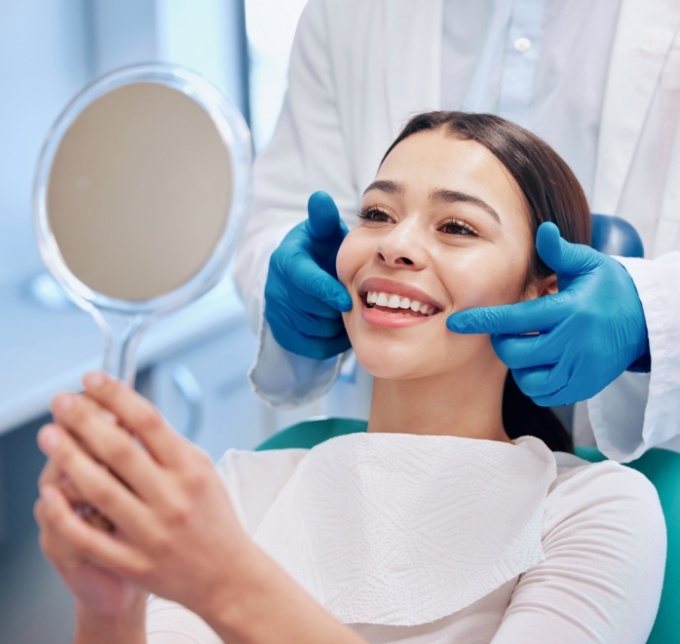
(562, 256)
(324, 221)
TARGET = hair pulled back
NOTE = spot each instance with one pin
(551, 192)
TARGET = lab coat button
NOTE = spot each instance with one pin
(522, 44)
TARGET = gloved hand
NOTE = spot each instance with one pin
(590, 332)
(303, 298)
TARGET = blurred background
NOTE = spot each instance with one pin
(193, 364)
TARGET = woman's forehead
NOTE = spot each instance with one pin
(433, 160)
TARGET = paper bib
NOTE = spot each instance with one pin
(399, 529)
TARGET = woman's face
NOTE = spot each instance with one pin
(443, 228)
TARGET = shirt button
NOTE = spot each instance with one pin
(522, 44)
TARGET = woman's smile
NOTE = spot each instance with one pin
(393, 304)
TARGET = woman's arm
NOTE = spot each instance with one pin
(176, 533)
(605, 552)
(272, 608)
(92, 629)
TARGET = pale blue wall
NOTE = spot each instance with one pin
(44, 47)
(49, 49)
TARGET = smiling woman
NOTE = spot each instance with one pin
(451, 519)
(448, 224)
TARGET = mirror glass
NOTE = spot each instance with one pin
(140, 197)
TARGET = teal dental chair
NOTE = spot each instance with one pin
(613, 236)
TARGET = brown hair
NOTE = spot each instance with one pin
(551, 193)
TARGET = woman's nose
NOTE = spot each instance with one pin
(401, 247)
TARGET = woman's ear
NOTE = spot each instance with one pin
(542, 286)
(549, 285)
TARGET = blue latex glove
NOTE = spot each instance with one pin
(590, 332)
(303, 298)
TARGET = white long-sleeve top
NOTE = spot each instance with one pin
(360, 68)
(434, 539)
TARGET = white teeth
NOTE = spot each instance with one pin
(394, 301)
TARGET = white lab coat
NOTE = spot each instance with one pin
(359, 69)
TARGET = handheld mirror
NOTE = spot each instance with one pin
(140, 195)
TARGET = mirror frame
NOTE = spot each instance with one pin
(236, 137)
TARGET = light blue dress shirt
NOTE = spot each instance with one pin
(540, 63)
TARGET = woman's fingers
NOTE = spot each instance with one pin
(97, 485)
(138, 415)
(51, 474)
(59, 551)
(68, 540)
(99, 433)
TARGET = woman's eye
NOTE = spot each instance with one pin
(374, 214)
(457, 227)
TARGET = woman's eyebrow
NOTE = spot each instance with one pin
(391, 187)
(453, 196)
(441, 194)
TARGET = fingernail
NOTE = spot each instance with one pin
(63, 401)
(94, 380)
(48, 439)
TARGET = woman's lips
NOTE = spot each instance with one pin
(395, 304)
(398, 303)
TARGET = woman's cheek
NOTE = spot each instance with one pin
(345, 321)
(494, 284)
(469, 277)
(346, 259)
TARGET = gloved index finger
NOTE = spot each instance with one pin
(312, 280)
(541, 314)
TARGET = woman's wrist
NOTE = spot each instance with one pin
(267, 605)
(93, 626)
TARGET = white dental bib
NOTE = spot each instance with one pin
(400, 529)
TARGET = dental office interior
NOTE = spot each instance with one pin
(192, 363)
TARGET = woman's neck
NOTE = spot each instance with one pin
(466, 405)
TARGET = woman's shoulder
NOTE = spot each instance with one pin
(574, 472)
(241, 460)
(254, 480)
(605, 493)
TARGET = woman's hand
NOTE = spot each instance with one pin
(175, 530)
(104, 600)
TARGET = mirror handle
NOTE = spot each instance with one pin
(190, 392)
(122, 333)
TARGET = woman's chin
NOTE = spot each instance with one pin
(393, 363)
(408, 356)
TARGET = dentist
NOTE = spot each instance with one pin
(359, 69)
